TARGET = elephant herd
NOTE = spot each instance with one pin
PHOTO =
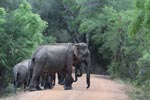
(47, 60)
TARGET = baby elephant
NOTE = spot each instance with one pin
(21, 74)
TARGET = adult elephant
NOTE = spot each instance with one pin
(56, 57)
(21, 73)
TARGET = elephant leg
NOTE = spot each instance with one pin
(42, 80)
(29, 76)
(68, 71)
(61, 78)
(45, 83)
(24, 86)
(67, 86)
(50, 80)
(68, 83)
(53, 79)
(68, 79)
(32, 83)
(34, 80)
(38, 83)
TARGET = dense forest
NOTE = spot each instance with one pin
(117, 33)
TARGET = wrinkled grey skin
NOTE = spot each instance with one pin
(55, 57)
(20, 74)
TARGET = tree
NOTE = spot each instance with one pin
(3, 59)
(21, 32)
(140, 26)
(79, 17)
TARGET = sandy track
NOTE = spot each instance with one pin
(102, 88)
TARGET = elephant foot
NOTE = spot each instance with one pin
(51, 87)
(38, 88)
(79, 75)
(67, 88)
(53, 84)
(61, 83)
(32, 89)
(48, 87)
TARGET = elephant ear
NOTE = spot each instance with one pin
(81, 48)
(76, 49)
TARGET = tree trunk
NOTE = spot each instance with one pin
(87, 39)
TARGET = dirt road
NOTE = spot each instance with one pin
(102, 88)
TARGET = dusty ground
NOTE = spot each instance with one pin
(102, 88)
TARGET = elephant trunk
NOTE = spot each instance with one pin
(88, 73)
(88, 79)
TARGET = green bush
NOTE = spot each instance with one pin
(20, 33)
(144, 68)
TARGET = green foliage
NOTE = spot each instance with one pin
(50, 11)
(87, 26)
(48, 39)
(20, 32)
(140, 28)
(24, 25)
(141, 92)
(147, 14)
(114, 40)
(144, 67)
(2, 19)
(141, 21)
(122, 5)
(113, 69)
(3, 59)
(124, 51)
(117, 32)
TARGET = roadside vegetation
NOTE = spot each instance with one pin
(116, 31)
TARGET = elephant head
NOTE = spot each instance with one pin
(82, 55)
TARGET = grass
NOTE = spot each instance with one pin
(134, 91)
(141, 92)
(9, 92)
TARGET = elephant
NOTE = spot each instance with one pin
(61, 77)
(56, 57)
(21, 73)
(47, 80)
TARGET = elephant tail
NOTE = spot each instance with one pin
(15, 80)
(15, 74)
(32, 63)
(31, 67)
